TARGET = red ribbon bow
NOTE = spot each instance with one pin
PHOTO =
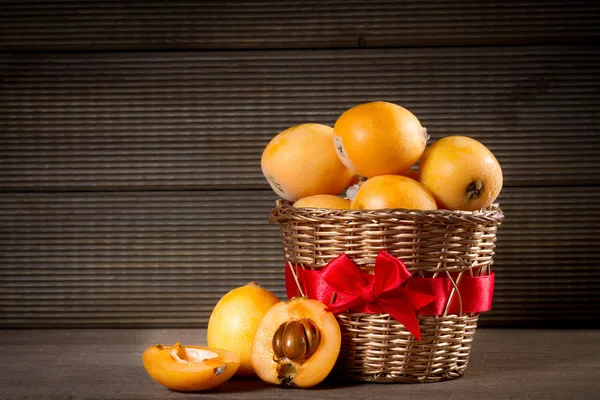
(381, 292)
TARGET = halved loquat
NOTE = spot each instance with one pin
(393, 191)
(189, 368)
(296, 344)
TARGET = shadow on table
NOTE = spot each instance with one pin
(245, 385)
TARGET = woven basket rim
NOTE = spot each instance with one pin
(284, 211)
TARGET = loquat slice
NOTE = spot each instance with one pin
(189, 368)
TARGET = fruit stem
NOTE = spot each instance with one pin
(287, 371)
(425, 135)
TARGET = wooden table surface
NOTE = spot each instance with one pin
(106, 364)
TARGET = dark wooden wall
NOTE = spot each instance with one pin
(131, 133)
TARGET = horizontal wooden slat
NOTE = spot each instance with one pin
(200, 120)
(165, 258)
(90, 25)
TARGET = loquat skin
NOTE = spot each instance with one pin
(323, 201)
(411, 173)
(393, 191)
(186, 374)
(272, 366)
(234, 319)
(379, 138)
(301, 161)
(461, 173)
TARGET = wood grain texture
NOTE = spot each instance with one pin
(117, 121)
(134, 25)
(143, 259)
(129, 173)
(106, 364)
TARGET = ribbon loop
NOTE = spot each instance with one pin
(389, 274)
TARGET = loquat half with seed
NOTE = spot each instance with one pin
(296, 344)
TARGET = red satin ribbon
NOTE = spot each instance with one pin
(390, 289)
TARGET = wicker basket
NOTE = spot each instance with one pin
(375, 347)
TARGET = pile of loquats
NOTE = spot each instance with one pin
(372, 153)
(374, 157)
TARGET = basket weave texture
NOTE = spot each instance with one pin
(438, 243)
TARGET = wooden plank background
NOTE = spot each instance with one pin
(166, 25)
(131, 134)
